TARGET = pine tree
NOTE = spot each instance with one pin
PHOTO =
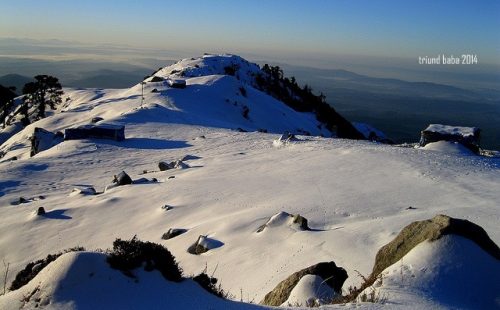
(48, 92)
(7, 95)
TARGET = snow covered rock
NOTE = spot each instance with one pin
(328, 273)
(177, 164)
(453, 272)
(83, 191)
(204, 244)
(42, 140)
(310, 291)
(448, 147)
(431, 230)
(467, 136)
(296, 221)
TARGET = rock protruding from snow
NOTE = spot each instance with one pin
(431, 230)
(40, 211)
(296, 221)
(42, 140)
(204, 244)
(173, 232)
(122, 178)
(467, 136)
(83, 191)
(177, 164)
(329, 273)
(452, 272)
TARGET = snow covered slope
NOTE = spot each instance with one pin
(211, 99)
(356, 195)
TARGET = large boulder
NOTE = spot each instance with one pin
(431, 230)
(42, 140)
(332, 275)
(467, 136)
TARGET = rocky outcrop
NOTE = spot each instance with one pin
(431, 230)
(333, 276)
(467, 136)
(42, 140)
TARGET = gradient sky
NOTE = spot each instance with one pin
(405, 29)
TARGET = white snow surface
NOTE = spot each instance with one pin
(451, 130)
(448, 147)
(310, 290)
(354, 194)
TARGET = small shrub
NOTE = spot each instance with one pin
(245, 112)
(32, 269)
(243, 91)
(210, 285)
(131, 254)
(231, 70)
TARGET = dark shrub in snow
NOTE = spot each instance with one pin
(245, 112)
(131, 254)
(32, 269)
(209, 284)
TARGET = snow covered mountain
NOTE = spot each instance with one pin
(355, 195)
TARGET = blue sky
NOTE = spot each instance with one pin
(404, 29)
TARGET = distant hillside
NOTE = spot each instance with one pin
(108, 79)
(15, 80)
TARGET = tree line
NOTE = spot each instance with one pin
(44, 91)
(302, 99)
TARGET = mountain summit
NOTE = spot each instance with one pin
(218, 91)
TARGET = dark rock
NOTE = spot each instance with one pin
(122, 179)
(173, 232)
(204, 244)
(98, 131)
(431, 230)
(96, 119)
(164, 166)
(167, 207)
(40, 211)
(333, 276)
(178, 164)
(157, 79)
(302, 221)
(23, 200)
